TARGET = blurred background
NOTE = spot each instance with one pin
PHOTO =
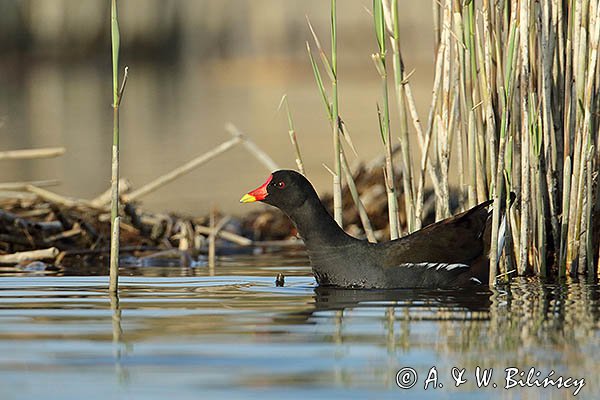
(193, 66)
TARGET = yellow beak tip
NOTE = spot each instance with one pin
(247, 198)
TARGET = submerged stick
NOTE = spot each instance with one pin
(28, 154)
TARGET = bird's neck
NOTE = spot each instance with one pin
(316, 226)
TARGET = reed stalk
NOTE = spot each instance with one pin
(391, 17)
(525, 138)
(384, 119)
(331, 106)
(292, 134)
(443, 118)
(337, 178)
(562, 266)
(515, 100)
(117, 97)
(362, 212)
(589, 234)
(337, 125)
(427, 162)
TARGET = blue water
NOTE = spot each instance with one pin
(186, 333)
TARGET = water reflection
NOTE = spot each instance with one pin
(236, 333)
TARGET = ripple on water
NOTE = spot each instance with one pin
(234, 333)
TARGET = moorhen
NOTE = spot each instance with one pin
(449, 253)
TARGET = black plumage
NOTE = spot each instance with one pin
(448, 253)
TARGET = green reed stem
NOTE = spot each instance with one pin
(114, 240)
(380, 65)
(117, 97)
(337, 178)
(407, 174)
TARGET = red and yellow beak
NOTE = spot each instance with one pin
(257, 194)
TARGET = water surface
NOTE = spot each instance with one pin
(231, 333)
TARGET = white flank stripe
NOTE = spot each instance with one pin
(437, 266)
(501, 238)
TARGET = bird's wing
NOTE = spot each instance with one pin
(455, 240)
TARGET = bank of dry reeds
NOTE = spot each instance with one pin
(514, 108)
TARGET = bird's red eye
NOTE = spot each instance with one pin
(280, 184)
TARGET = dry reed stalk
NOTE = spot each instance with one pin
(472, 157)
(114, 254)
(117, 97)
(565, 219)
(104, 198)
(460, 159)
(548, 47)
(391, 17)
(423, 137)
(576, 221)
(427, 164)
(587, 150)
(540, 202)
(589, 247)
(384, 120)
(9, 194)
(225, 235)
(292, 134)
(56, 198)
(75, 231)
(436, 25)
(497, 196)
(567, 94)
(211, 243)
(337, 178)
(212, 238)
(519, 87)
(182, 170)
(17, 186)
(362, 212)
(28, 154)
(525, 138)
(442, 120)
(469, 118)
(249, 144)
(486, 108)
(505, 76)
(459, 57)
(583, 227)
(585, 77)
(42, 254)
(331, 107)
